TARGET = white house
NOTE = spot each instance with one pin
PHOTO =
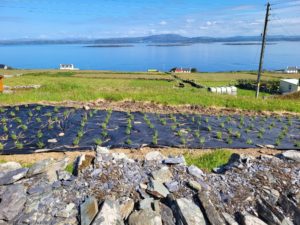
(183, 70)
(289, 85)
(67, 67)
(2, 66)
(291, 69)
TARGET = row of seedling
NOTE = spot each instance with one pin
(104, 131)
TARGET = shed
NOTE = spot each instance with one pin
(289, 85)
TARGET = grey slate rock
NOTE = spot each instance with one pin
(9, 166)
(209, 209)
(167, 215)
(248, 219)
(163, 175)
(12, 202)
(195, 185)
(109, 214)
(175, 160)
(126, 207)
(145, 217)
(88, 211)
(13, 176)
(154, 156)
(292, 155)
(39, 167)
(189, 213)
(172, 186)
(195, 171)
(146, 203)
(229, 219)
(157, 189)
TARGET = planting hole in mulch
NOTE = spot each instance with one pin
(29, 128)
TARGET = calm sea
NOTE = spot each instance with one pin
(140, 57)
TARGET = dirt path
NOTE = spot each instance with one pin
(151, 107)
(134, 154)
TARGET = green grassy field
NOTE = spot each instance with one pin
(157, 87)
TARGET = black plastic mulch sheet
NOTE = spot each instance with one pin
(29, 128)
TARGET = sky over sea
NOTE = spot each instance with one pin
(59, 19)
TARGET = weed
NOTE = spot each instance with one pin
(40, 144)
(202, 140)
(260, 135)
(12, 114)
(56, 109)
(237, 134)
(128, 142)
(18, 120)
(39, 134)
(14, 136)
(5, 129)
(219, 135)
(18, 145)
(48, 114)
(1, 146)
(297, 144)
(229, 141)
(70, 168)
(173, 127)
(104, 133)
(76, 141)
(277, 142)
(222, 125)
(183, 141)
(38, 108)
(38, 120)
(98, 141)
(209, 128)
(249, 141)
(197, 133)
(30, 114)
(24, 127)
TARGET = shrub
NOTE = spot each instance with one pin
(271, 86)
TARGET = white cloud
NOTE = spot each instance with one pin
(163, 23)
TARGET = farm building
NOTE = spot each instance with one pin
(289, 85)
(183, 70)
(67, 67)
(291, 69)
(2, 66)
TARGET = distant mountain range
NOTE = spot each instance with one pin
(154, 39)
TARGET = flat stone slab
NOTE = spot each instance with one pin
(189, 212)
(88, 211)
(12, 202)
(13, 176)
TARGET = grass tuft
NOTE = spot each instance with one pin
(208, 161)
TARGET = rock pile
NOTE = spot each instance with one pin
(111, 189)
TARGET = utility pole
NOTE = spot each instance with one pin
(261, 61)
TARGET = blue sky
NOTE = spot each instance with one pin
(55, 19)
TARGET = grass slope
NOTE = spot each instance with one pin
(139, 87)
